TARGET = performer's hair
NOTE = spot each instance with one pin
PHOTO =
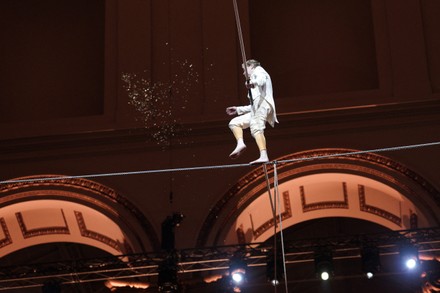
(252, 62)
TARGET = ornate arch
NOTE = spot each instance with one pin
(71, 210)
(365, 186)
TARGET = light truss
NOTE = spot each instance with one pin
(210, 258)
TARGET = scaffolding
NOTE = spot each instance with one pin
(217, 258)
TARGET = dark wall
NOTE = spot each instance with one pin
(62, 61)
(52, 60)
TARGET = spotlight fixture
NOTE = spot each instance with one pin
(237, 275)
(237, 272)
(167, 280)
(168, 229)
(324, 263)
(370, 261)
(409, 256)
(325, 275)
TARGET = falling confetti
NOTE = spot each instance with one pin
(153, 101)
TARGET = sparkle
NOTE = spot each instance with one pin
(154, 101)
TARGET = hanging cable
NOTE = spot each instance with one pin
(276, 204)
(277, 196)
(242, 49)
(397, 148)
(273, 206)
(240, 37)
(266, 175)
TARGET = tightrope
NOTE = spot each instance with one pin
(169, 170)
(396, 148)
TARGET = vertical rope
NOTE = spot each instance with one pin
(240, 37)
(242, 49)
(277, 196)
(269, 193)
(272, 204)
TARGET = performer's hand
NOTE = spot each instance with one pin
(249, 84)
(231, 110)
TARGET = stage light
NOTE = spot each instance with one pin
(409, 256)
(370, 261)
(324, 263)
(411, 263)
(274, 268)
(238, 276)
(325, 275)
(237, 272)
(275, 282)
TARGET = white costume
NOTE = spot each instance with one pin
(263, 108)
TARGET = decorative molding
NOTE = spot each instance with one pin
(58, 180)
(93, 194)
(115, 244)
(41, 231)
(317, 161)
(324, 204)
(364, 207)
(270, 223)
(7, 240)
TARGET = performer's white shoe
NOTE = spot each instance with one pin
(239, 149)
(262, 159)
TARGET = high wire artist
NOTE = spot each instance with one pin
(255, 115)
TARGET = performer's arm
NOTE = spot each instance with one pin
(238, 110)
(244, 109)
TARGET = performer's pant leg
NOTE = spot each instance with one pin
(257, 125)
(258, 120)
(242, 121)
